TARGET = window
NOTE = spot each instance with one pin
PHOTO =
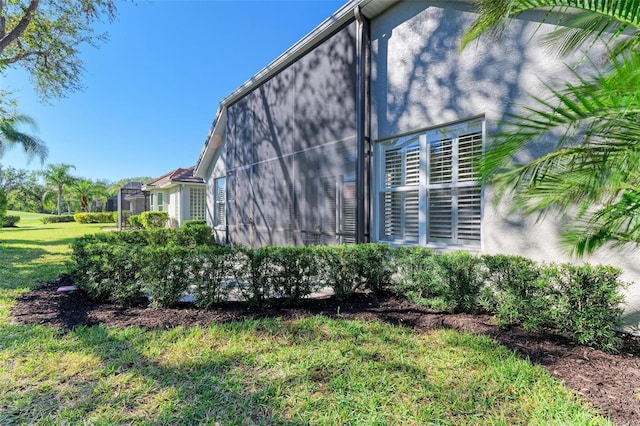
(160, 201)
(220, 197)
(197, 201)
(428, 186)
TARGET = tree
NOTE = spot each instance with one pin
(86, 193)
(11, 135)
(45, 38)
(592, 174)
(23, 189)
(57, 176)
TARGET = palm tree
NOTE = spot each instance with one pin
(83, 192)
(57, 176)
(593, 171)
(10, 135)
(88, 193)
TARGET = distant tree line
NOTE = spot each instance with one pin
(55, 190)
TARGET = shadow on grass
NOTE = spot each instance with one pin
(129, 386)
(27, 267)
(47, 243)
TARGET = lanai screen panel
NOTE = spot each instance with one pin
(291, 152)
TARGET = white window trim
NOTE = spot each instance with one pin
(424, 186)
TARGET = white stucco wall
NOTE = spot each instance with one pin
(420, 80)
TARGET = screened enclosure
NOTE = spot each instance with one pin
(132, 200)
(290, 152)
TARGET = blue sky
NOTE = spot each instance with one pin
(152, 90)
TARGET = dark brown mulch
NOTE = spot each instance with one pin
(608, 381)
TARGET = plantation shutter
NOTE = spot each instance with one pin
(347, 229)
(220, 201)
(432, 175)
(454, 191)
(401, 196)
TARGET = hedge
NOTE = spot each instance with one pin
(187, 237)
(101, 217)
(579, 302)
(153, 220)
(134, 221)
(10, 221)
(58, 219)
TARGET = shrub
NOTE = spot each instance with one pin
(134, 221)
(213, 277)
(419, 277)
(110, 272)
(284, 272)
(579, 302)
(166, 274)
(151, 220)
(10, 221)
(4, 202)
(58, 219)
(101, 217)
(193, 235)
(463, 280)
(588, 303)
(375, 265)
(519, 291)
(194, 222)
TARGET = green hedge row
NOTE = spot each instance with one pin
(579, 302)
(186, 236)
(58, 219)
(101, 217)
(10, 221)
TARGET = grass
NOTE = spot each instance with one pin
(310, 371)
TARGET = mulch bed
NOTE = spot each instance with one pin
(608, 381)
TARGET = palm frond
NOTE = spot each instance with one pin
(580, 22)
(11, 135)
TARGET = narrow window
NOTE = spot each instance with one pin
(399, 195)
(197, 200)
(220, 195)
(160, 201)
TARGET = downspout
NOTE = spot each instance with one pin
(362, 126)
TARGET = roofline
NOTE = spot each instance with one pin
(370, 9)
(334, 22)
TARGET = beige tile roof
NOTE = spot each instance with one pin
(180, 175)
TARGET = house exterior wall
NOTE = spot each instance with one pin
(173, 207)
(289, 151)
(176, 202)
(419, 80)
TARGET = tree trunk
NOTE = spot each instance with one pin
(59, 200)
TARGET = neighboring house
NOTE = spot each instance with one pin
(180, 194)
(367, 128)
(131, 200)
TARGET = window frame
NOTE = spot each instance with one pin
(426, 187)
(159, 201)
(217, 202)
(197, 203)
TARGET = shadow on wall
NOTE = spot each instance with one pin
(420, 79)
(289, 144)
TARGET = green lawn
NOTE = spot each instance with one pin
(311, 371)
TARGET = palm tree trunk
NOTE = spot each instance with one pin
(59, 200)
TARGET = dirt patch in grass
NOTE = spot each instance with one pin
(609, 382)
